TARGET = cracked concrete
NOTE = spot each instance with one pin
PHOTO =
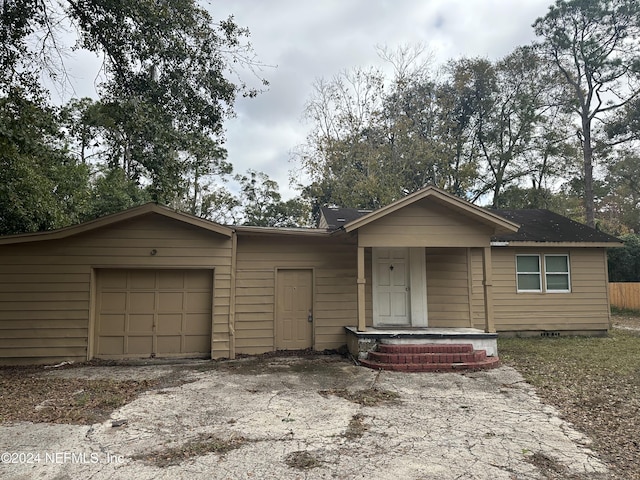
(484, 425)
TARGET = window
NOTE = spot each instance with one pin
(528, 273)
(556, 271)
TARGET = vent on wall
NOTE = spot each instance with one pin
(550, 334)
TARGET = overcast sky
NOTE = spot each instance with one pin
(305, 40)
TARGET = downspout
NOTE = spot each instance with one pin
(232, 296)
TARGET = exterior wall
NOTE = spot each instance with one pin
(425, 224)
(335, 292)
(477, 287)
(584, 309)
(448, 287)
(46, 286)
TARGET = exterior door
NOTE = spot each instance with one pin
(294, 316)
(391, 282)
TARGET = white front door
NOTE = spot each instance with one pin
(391, 292)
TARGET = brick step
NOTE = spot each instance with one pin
(487, 363)
(425, 348)
(466, 357)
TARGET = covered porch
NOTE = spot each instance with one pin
(424, 274)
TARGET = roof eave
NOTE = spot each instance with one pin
(515, 243)
(249, 230)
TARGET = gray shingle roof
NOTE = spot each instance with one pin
(537, 225)
(337, 217)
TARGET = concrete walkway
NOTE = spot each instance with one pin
(290, 421)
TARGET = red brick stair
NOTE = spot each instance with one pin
(429, 358)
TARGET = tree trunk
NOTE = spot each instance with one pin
(587, 150)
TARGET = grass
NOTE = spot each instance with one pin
(625, 312)
(594, 382)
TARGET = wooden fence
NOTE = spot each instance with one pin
(625, 295)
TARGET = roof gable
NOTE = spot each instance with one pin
(479, 214)
(146, 209)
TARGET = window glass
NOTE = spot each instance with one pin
(556, 264)
(556, 269)
(528, 273)
(557, 282)
(528, 282)
(528, 263)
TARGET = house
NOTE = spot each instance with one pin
(151, 282)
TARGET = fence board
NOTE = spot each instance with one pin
(625, 295)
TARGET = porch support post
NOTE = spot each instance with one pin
(362, 322)
(489, 325)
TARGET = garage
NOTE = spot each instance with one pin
(153, 313)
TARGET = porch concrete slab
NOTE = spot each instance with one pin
(480, 339)
(482, 425)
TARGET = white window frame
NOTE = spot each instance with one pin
(567, 273)
(539, 273)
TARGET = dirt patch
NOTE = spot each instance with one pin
(629, 320)
(56, 400)
(356, 428)
(202, 445)
(369, 397)
(302, 460)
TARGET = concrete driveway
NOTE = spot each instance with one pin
(312, 418)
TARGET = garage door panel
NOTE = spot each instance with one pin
(170, 344)
(140, 345)
(142, 279)
(197, 343)
(153, 312)
(114, 301)
(197, 323)
(113, 323)
(115, 345)
(171, 302)
(142, 301)
(198, 302)
(141, 323)
(113, 278)
(198, 280)
(171, 279)
(169, 323)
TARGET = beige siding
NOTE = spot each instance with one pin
(426, 224)
(447, 287)
(584, 308)
(45, 286)
(334, 271)
(477, 287)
